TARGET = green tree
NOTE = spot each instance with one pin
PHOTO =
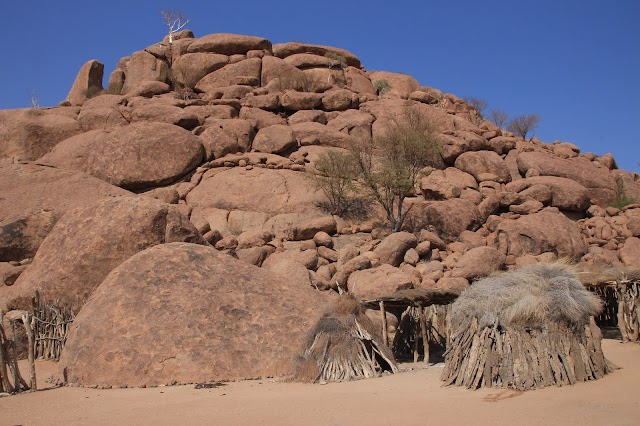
(389, 167)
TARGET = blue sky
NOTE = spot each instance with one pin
(576, 63)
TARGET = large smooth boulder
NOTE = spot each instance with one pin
(260, 189)
(598, 180)
(566, 193)
(190, 68)
(369, 284)
(539, 233)
(163, 113)
(479, 262)
(300, 226)
(182, 313)
(275, 68)
(400, 85)
(145, 154)
(479, 162)
(33, 195)
(88, 82)
(274, 139)
(284, 50)
(229, 44)
(21, 237)
(140, 69)
(392, 249)
(86, 244)
(245, 72)
(446, 184)
(72, 153)
(28, 134)
(451, 217)
(630, 252)
(320, 134)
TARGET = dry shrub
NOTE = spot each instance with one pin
(532, 297)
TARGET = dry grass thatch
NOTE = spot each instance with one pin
(525, 329)
(343, 345)
(532, 297)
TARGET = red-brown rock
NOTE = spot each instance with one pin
(86, 244)
(229, 44)
(245, 72)
(369, 284)
(88, 83)
(237, 321)
(145, 154)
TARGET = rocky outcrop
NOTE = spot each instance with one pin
(88, 83)
(237, 322)
(86, 244)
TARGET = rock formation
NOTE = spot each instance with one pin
(227, 128)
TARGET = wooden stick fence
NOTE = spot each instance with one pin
(51, 328)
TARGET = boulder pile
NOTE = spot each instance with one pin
(211, 141)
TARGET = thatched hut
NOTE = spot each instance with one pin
(343, 345)
(620, 292)
(525, 329)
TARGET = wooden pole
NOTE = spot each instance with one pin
(416, 339)
(425, 340)
(4, 359)
(385, 336)
(16, 373)
(32, 367)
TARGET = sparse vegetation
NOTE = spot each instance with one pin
(174, 20)
(389, 168)
(381, 86)
(478, 104)
(498, 117)
(622, 202)
(335, 176)
(523, 124)
(291, 81)
(336, 60)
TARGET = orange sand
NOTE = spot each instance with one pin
(412, 397)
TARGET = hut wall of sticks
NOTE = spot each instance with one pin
(343, 345)
(620, 292)
(422, 329)
(525, 329)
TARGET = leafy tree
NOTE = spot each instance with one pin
(498, 117)
(389, 167)
(174, 20)
(523, 124)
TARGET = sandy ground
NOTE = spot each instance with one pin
(412, 397)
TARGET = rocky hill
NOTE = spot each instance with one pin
(209, 141)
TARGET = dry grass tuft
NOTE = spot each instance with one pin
(528, 297)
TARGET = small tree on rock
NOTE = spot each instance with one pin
(175, 21)
(478, 104)
(498, 117)
(523, 124)
(334, 176)
(389, 167)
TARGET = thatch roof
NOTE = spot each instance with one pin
(528, 297)
(414, 297)
(608, 275)
(343, 345)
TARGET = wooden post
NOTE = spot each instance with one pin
(385, 336)
(416, 338)
(32, 367)
(425, 340)
(4, 359)
(16, 372)
(622, 326)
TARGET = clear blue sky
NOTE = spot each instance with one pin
(574, 62)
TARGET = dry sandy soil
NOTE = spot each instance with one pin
(412, 397)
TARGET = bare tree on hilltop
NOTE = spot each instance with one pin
(174, 20)
(523, 124)
(478, 104)
(498, 117)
